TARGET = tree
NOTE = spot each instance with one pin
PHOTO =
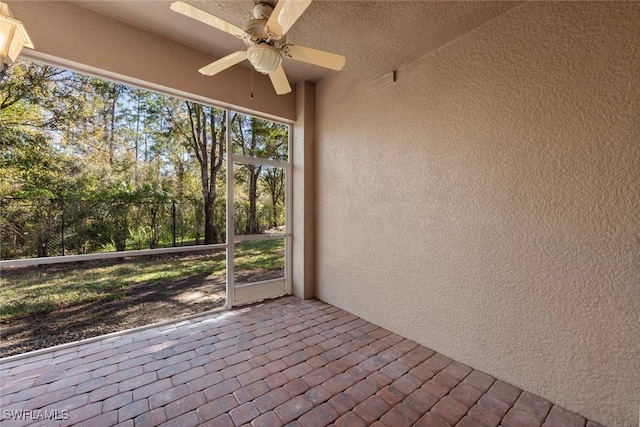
(274, 178)
(247, 136)
(274, 181)
(204, 135)
(109, 93)
(106, 161)
(255, 137)
(36, 102)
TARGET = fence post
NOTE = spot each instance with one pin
(62, 227)
(173, 217)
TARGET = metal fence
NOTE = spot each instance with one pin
(43, 227)
(49, 227)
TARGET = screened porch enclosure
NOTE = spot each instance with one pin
(156, 207)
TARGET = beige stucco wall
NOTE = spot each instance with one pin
(487, 204)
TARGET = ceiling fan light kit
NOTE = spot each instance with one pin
(264, 58)
(13, 36)
(265, 39)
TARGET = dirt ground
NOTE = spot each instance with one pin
(145, 304)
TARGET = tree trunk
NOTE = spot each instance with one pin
(197, 219)
(252, 221)
(43, 250)
(112, 127)
(120, 215)
(274, 208)
(209, 224)
(153, 219)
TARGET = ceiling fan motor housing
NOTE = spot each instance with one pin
(255, 28)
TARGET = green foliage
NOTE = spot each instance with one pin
(88, 165)
(253, 136)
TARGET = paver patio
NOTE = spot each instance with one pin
(285, 361)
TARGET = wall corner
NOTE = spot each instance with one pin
(303, 159)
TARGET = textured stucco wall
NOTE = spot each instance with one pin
(487, 203)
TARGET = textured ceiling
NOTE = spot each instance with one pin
(375, 36)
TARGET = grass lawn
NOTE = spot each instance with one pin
(47, 288)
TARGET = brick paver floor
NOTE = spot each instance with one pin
(286, 361)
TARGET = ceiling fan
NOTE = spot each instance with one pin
(265, 39)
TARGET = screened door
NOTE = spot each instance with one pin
(258, 226)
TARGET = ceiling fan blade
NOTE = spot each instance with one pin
(285, 14)
(223, 63)
(280, 81)
(207, 18)
(315, 57)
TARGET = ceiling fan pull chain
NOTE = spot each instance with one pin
(251, 78)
